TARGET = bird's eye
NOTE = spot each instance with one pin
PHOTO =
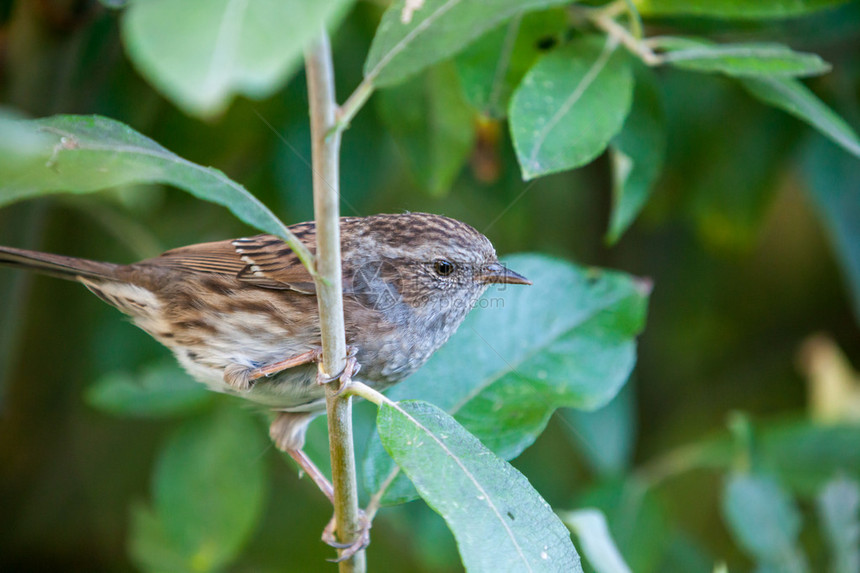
(443, 268)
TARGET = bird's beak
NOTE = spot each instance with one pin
(495, 273)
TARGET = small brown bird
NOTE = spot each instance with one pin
(241, 316)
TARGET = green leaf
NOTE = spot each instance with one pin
(149, 546)
(605, 436)
(805, 455)
(410, 38)
(796, 99)
(156, 391)
(764, 521)
(432, 125)
(82, 154)
(596, 540)
(839, 512)
(526, 351)
(492, 67)
(200, 53)
(209, 486)
(739, 60)
(637, 155)
(637, 521)
(833, 180)
(743, 9)
(500, 522)
(569, 105)
(802, 454)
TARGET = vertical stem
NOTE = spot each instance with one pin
(326, 183)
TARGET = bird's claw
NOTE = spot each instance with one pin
(351, 368)
(347, 550)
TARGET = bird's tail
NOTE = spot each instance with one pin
(59, 266)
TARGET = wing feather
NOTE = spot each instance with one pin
(263, 260)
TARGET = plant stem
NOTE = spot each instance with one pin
(325, 145)
(353, 104)
(371, 395)
(604, 19)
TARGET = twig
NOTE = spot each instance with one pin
(371, 395)
(326, 183)
(353, 104)
(604, 19)
(376, 499)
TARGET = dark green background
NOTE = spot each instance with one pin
(741, 262)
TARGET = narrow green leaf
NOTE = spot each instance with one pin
(596, 540)
(81, 154)
(492, 67)
(200, 53)
(525, 351)
(156, 391)
(742, 9)
(839, 513)
(209, 486)
(637, 522)
(637, 156)
(569, 105)
(764, 521)
(796, 99)
(432, 125)
(833, 180)
(500, 522)
(412, 36)
(739, 60)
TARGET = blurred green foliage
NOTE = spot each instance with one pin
(749, 234)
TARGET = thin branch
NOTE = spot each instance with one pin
(635, 20)
(364, 391)
(378, 398)
(326, 183)
(604, 19)
(376, 499)
(353, 104)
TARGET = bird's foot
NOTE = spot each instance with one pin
(351, 368)
(347, 550)
(242, 378)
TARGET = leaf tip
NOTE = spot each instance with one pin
(643, 285)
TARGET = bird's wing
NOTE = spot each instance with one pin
(263, 260)
(271, 263)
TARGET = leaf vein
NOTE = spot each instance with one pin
(587, 80)
(473, 479)
(407, 39)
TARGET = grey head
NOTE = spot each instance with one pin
(424, 272)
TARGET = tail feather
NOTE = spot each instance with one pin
(59, 266)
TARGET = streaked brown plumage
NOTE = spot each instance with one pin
(230, 309)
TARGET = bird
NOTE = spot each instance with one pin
(241, 315)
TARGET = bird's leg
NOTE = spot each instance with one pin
(288, 432)
(362, 538)
(313, 355)
(242, 377)
(349, 370)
